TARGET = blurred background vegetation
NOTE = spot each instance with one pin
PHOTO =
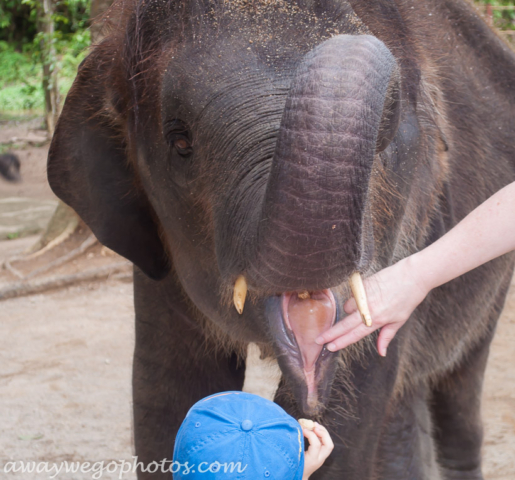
(22, 50)
(27, 42)
(503, 13)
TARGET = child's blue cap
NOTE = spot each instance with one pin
(236, 435)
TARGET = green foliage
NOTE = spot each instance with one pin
(23, 48)
(21, 72)
(14, 66)
(19, 80)
(25, 96)
(18, 19)
(71, 16)
(504, 19)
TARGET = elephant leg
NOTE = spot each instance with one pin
(456, 404)
(175, 365)
(407, 449)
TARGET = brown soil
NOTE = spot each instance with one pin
(65, 357)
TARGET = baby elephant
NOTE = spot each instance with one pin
(10, 167)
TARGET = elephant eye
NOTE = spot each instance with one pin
(183, 146)
(178, 136)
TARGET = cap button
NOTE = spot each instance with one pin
(246, 425)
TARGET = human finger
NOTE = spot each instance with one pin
(355, 335)
(386, 335)
(325, 438)
(314, 441)
(343, 327)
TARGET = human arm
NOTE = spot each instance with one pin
(393, 293)
(320, 447)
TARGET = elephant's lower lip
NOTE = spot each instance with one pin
(310, 386)
(305, 319)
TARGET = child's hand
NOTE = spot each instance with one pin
(392, 295)
(320, 447)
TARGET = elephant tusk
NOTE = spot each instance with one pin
(358, 290)
(240, 293)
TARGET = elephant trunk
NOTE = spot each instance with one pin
(314, 230)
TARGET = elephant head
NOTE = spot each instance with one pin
(218, 142)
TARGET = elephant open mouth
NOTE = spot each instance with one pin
(296, 320)
(307, 316)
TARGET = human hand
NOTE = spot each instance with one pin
(392, 294)
(320, 447)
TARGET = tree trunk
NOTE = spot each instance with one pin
(65, 220)
(98, 8)
(63, 223)
(45, 11)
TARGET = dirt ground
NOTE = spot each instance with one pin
(65, 364)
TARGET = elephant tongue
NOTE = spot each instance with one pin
(308, 318)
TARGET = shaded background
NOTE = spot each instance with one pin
(66, 313)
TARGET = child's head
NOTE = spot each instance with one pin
(238, 435)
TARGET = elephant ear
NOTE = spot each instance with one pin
(89, 170)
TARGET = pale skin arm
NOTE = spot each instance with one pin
(393, 293)
(320, 447)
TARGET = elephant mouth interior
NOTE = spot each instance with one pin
(306, 317)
